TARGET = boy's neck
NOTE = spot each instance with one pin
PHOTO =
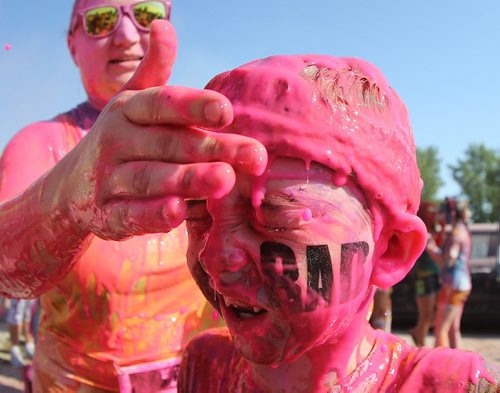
(320, 368)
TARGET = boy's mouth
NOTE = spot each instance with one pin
(243, 311)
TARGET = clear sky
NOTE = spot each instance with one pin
(441, 56)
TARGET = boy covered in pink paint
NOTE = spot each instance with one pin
(291, 258)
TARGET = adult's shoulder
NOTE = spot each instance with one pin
(30, 153)
(42, 140)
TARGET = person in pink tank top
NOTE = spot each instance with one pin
(291, 258)
(92, 205)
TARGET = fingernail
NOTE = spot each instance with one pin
(214, 111)
(253, 159)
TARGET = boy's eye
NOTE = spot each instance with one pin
(274, 228)
(279, 219)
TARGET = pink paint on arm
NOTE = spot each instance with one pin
(36, 242)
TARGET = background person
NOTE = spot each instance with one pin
(427, 280)
(453, 259)
(90, 200)
(19, 319)
(381, 317)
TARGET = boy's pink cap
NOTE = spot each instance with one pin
(339, 112)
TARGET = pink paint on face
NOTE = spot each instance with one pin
(107, 63)
(273, 307)
(307, 214)
(340, 112)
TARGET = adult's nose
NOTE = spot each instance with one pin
(126, 33)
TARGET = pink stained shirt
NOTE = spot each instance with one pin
(212, 365)
(124, 303)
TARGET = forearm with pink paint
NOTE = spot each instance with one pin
(38, 247)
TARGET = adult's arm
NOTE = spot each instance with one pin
(27, 229)
(149, 150)
(447, 256)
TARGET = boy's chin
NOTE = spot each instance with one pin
(259, 351)
(271, 349)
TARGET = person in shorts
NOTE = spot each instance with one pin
(19, 318)
(427, 276)
(453, 258)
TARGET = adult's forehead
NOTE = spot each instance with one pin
(80, 4)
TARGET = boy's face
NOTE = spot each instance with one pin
(287, 256)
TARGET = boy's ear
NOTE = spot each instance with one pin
(397, 249)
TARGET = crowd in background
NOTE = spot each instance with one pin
(441, 276)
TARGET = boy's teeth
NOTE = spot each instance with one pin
(244, 311)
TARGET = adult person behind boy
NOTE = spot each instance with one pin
(427, 279)
(292, 257)
(115, 169)
(453, 258)
(19, 319)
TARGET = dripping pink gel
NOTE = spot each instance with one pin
(307, 214)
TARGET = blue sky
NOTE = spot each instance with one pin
(441, 56)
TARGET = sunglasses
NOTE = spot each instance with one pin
(102, 21)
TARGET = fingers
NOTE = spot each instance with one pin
(153, 180)
(188, 145)
(125, 218)
(157, 64)
(178, 106)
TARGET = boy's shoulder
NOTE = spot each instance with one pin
(208, 361)
(412, 369)
(395, 366)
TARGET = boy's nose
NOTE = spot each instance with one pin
(222, 259)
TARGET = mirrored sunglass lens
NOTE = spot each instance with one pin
(147, 11)
(101, 21)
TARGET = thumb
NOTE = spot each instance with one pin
(157, 64)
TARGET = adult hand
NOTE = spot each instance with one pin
(149, 150)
